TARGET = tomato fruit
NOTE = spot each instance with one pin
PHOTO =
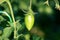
(44, 8)
(29, 20)
(48, 10)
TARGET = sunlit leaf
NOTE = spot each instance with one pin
(7, 32)
(18, 26)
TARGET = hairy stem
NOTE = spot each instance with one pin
(12, 14)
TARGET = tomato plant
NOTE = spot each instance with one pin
(29, 20)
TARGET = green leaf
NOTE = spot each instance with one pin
(20, 26)
(1, 19)
(6, 39)
(7, 32)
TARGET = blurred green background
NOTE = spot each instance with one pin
(47, 20)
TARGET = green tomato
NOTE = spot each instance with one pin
(29, 21)
(48, 10)
(43, 8)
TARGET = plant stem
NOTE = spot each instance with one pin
(12, 14)
(30, 4)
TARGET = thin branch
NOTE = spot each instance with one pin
(30, 4)
(6, 15)
(20, 35)
(24, 11)
(12, 14)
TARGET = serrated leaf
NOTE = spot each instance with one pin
(7, 32)
(20, 26)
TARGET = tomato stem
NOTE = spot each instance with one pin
(12, 14)
(30, 4)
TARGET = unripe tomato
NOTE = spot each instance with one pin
(48, 10)
(41, 9)
(29, 20)
(44, 8)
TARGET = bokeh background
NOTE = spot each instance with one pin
(47, 23)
